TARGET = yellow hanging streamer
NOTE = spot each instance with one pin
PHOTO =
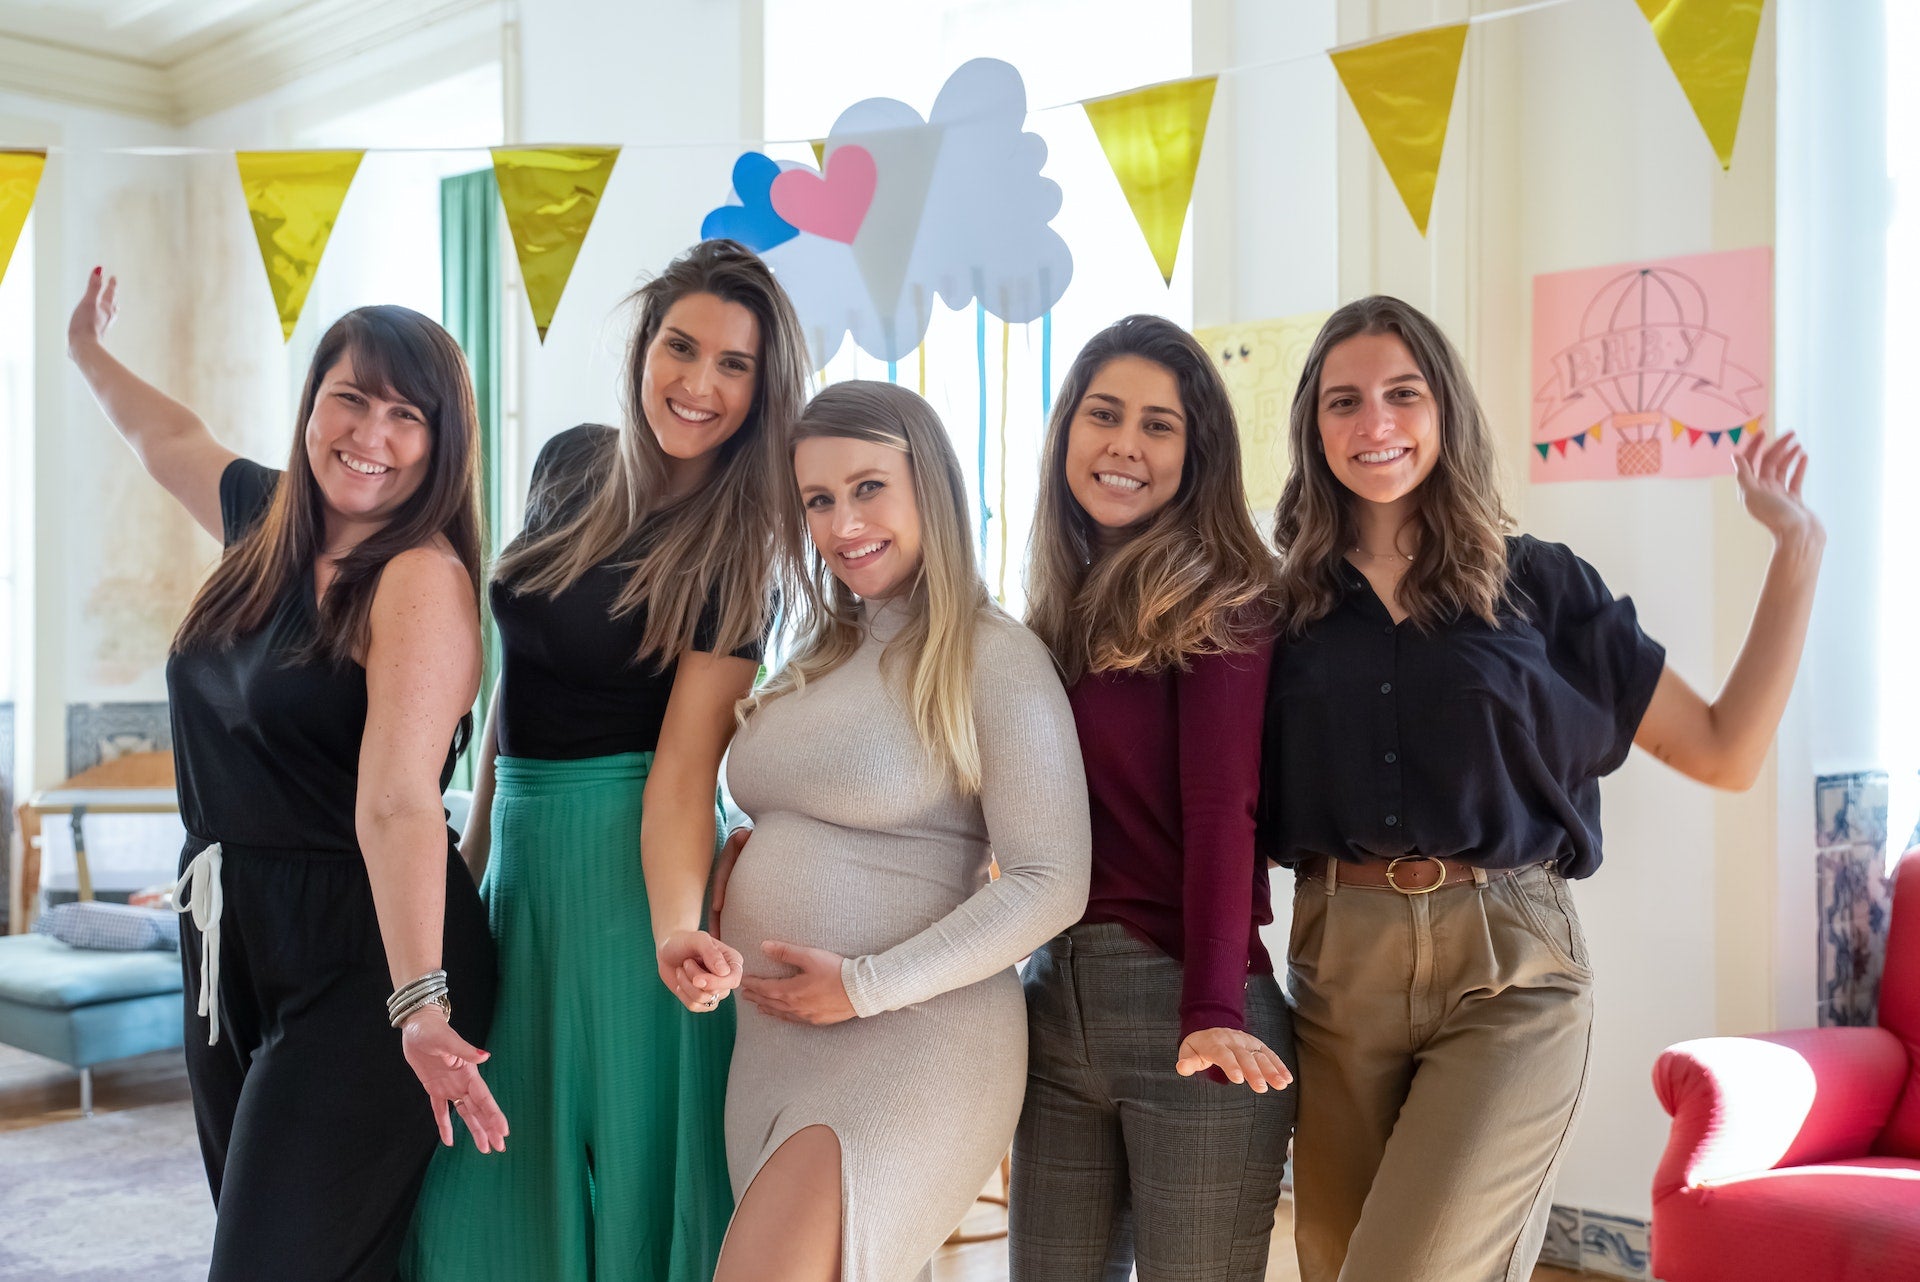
(819, 146)
(1709, 45)
(19, 181)
(550, 195)
(1403, 90)
(1152, 138)
(294, 197)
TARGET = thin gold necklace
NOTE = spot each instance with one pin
(1396, 554)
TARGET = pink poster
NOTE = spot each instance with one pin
(1655, 368)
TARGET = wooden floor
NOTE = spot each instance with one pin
(34, 1096)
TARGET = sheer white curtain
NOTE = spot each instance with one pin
(16, 421)
(1899, 580)
(1065, 50)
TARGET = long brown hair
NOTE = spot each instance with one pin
(1461, 567)
(932, 658)
(716, 542)
(409, 358)
(1195, 578)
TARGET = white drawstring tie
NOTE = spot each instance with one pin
(202, 881)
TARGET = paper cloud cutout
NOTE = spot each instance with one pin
(956, 209)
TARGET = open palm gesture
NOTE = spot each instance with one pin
(1770, 473)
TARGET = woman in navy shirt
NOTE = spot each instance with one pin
(1440, 714)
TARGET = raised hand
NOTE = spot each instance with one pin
(1770, 473)
(94, 312)
(1243, 1057)
(698, 969)
(816, 995)
(449, 1070)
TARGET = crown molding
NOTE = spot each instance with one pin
(313, 38)
(231, 71)
(63, 74)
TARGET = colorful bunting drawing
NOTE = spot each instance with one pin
(1261, 362)
(550, 195)
(1628, 360)
(19, 181)
(1152, 138)
(1403, 89)
(1709, 45)
(294, 197)
(903, 210)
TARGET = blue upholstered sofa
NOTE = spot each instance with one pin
(84, 1007)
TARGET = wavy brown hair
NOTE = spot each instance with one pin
(1194, 578)
(397, 354)
(932, 658)
(1461, 567)
(714, 543)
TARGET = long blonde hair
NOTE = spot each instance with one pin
(931, 661)
(1195, 578)
(716, 542)
(1461, 567)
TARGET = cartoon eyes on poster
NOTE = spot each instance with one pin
(1644, 369)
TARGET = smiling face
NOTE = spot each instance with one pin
(1379, 424)
(1127, 443)
(697, 380)
(368, 450)
(861, 513)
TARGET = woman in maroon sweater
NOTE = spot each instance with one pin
(1156, 1121)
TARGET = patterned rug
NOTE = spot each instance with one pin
(114, 1197)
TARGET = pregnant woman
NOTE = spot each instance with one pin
(916, 733)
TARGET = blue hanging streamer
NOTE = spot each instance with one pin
(980, 359)
(893, 371)
(1046, 368)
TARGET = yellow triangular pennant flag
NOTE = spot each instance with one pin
(1594, 432)
(550, 195)
(1678, 427)
(19, 180)
(294, 198)
(1152, 138)
(1403, 90)
(819, 146)
(1709, 45)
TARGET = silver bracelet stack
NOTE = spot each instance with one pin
(428, 990)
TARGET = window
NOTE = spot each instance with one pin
(1065, 50)
(16, 420)
(1898, 593)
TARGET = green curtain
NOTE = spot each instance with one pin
(471, 303)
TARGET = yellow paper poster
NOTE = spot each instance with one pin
(19, 181)
(294, 198)
(1152, 138)
(550, 195)
(1261, 363)
(1709, 45)
(1403, 90)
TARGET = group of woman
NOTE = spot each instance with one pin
(1409, 707)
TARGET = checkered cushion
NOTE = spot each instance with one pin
(110, 927)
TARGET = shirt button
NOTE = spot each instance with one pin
(1392, 820)
(1392, 757)
(1388, 629)
(1386, 687)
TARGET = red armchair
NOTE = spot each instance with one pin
(1796, 1155)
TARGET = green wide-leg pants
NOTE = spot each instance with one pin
(615, 1169)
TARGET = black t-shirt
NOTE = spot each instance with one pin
(1469, 742)
(569, 685)
(267, 752)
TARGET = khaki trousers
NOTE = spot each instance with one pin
(1444, 1043)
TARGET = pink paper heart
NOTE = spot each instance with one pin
(832, 205)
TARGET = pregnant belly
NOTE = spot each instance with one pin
(800, 881)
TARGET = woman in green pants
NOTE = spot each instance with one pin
(631, 610)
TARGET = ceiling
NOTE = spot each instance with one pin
(157, 33)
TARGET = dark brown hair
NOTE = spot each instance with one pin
(1195, 577)
(715, 543)
(1461, 567)
(398, 354)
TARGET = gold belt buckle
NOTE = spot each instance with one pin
(1438, 882)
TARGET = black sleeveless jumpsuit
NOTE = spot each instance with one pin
(316, 1134)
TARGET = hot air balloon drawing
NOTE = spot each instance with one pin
(1658, 351)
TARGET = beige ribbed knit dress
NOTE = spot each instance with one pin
(861, 846)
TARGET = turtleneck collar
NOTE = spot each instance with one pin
(886, 619)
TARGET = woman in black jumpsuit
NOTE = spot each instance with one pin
(317, 689)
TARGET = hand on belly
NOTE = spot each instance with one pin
(815, 995)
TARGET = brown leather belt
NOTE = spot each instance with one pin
(1409, 874)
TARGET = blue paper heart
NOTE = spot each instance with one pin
(752, 222)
